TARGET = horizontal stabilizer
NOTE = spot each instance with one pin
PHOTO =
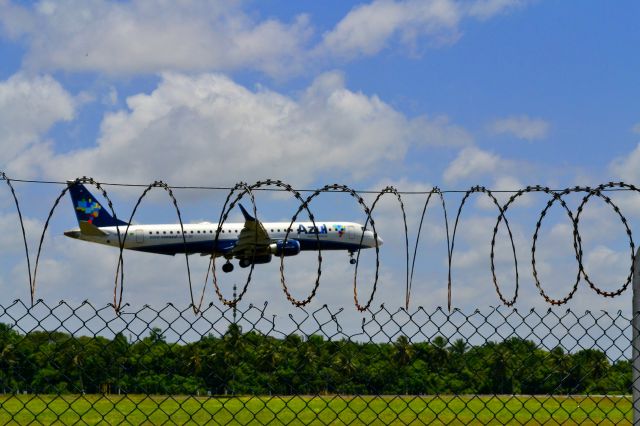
(90, 229)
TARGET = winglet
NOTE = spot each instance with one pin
(246, 214)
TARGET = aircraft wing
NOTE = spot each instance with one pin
(253, 238)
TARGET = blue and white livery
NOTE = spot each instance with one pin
(249, 242)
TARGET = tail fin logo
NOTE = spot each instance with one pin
(91, 208)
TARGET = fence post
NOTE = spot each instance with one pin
(635, 338)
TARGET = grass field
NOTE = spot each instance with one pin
(143, 409)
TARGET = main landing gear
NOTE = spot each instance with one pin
(227, 267)
(351, 259)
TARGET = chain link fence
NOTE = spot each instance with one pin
(82, 364)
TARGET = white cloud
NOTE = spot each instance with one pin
(507, 183)
(143, 37)
(522, 127)
(11, 241)
(628, 202)
(440, 132)
(485, 9)
(111, 98)
(607, 268)
(627, 167)
(140, 37)
(369, 28)
(29, 106)
(207, 129)
(636, 128)
(471, 162)
(504, 183)
(14, 20)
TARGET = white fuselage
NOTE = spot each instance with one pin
(200, 237)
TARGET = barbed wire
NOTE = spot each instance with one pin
(228, 188)
(237, 192)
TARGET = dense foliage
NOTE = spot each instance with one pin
(251, 363)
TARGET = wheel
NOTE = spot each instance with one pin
(352, 261)
(227, 267)
(244, 263)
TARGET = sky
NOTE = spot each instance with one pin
(414, 94)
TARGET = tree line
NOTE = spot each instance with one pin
(252, 363)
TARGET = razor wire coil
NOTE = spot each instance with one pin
(237, 192)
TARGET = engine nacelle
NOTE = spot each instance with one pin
(291, 248)
(246, 262)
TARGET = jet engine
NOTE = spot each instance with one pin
(291, 248)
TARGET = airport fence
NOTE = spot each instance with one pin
(81, 364)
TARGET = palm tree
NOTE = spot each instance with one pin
(403, 356)
(458, 347)
(403, 351)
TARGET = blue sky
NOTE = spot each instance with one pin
(502, 93)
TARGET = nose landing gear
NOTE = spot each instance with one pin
(352, 261)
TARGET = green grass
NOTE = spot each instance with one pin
(294, 410)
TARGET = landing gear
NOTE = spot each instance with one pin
(244, 263)
(351, 259)
(227, 267)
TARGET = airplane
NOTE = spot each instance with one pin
(248, 242)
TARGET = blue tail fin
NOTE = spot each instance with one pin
(88, 209)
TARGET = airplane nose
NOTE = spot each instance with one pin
(371, 239)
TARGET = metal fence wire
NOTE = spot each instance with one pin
(82, 364)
